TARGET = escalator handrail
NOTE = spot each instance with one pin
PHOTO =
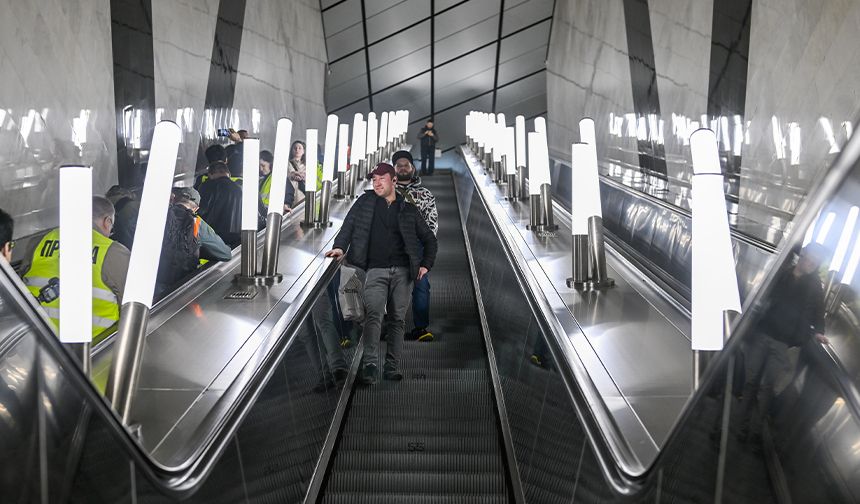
(612, 454)
(186, 481)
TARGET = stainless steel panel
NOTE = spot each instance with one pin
(202, 349)
(631, 349)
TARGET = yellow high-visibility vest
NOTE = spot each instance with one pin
(46, 265)
(266, 189)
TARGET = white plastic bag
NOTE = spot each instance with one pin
(351, 295)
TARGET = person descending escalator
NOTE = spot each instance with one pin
(180, 250)
(409, 186)
(7, 226)
(40, 270)
(212, 247)
(382, 233)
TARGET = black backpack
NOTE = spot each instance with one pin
(180, 251)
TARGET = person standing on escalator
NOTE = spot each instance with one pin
(382, 233)
(429, 139)
(409, 186)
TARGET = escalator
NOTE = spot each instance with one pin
(475, 420)
(433, 437)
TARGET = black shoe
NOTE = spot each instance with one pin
(340, 375)
(325, 384)
(392, 374)
(368, 375)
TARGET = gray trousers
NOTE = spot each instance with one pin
(391, 288)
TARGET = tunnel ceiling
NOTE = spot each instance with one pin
(437, 58)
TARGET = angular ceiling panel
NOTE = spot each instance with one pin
(344, 42)
(472, 68)
(399, 45)
(342, 16)
(395, 18)
(521, 13)
(346, 69)
(401, 69)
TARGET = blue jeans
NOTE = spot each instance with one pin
(421, 302)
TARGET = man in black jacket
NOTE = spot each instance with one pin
(429, 139)
(794, 316)
(383, 233)
(221, 204)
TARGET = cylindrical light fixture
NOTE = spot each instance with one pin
(76, 235)
(535, 181)
(330, 147)
(342, 161)
(276, 199)
(714, 280)
(311, 139)
(383, 136)
(372, 138)
(143, 268)
(358, 154)
(250, 214)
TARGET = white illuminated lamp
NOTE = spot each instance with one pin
(359, 139)
(330, 148)
(148, 236)
(383, 130)
(510, 151)
(311, 143)
(280, 166)
(714, 280)
(540, 124)
(536, 164)
(342, 148)
(580, 160)
(143, 268)
(825, 228)
(851, 267)
(588, 136)
(521, 140)
(587, 133)
(277, 193)
(844, 239)
(250, 190)
(372, 132)
(76, 273)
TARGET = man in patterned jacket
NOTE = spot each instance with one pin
(409, 185)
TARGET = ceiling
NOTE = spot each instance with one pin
(437, 58)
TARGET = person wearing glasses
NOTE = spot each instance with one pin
(7, 225)
(40, 270)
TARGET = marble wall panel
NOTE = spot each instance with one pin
(56, 103)
(801, 103)
(282, 67)
(588, 74)
(182, 57)
(57, 96)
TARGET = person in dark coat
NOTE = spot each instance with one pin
(384, 235)
(429, 139)
(794, 316)
(221, 204)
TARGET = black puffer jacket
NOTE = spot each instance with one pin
(355, 233)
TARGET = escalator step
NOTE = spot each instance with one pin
(418, 482)
(353, 445)
(399, 498)
(423, 461)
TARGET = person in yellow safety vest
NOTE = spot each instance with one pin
(41, 271)
(266, 160)
(7, 227)
(212, 247)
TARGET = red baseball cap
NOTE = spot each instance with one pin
(383, 169)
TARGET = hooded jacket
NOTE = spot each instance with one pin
(355, 233)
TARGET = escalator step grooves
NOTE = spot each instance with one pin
(433, 437)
